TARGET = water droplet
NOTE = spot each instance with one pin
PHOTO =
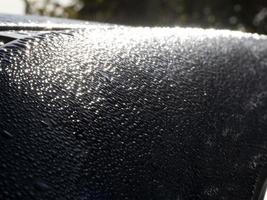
(41, 185)
(47, 122)
(6, 134)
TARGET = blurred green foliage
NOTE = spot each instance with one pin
(246, 15)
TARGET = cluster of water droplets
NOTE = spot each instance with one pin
(117, 112)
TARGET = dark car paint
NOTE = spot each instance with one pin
(97, 111)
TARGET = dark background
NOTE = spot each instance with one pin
(244, 15)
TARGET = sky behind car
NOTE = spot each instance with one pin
(12, 7)
(18, 6)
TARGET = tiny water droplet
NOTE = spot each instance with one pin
(46, 122)
(41, 185)
(6, 134)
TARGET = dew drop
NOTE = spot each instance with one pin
(6, 134)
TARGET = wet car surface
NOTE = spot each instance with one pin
(100, 111)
